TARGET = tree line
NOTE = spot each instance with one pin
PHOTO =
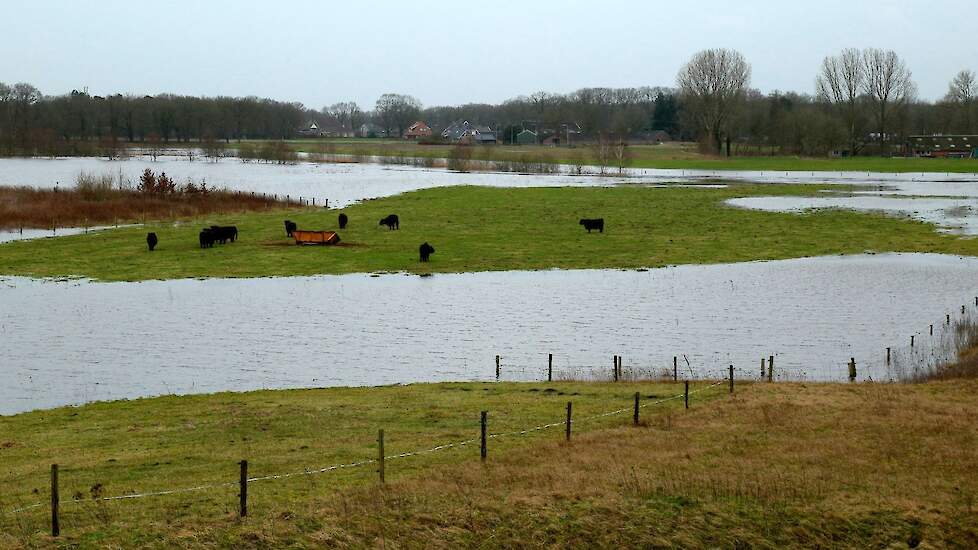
(864, 102)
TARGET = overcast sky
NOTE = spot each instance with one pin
(452, 52)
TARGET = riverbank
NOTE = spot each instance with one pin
(490, 229)
(774, 465)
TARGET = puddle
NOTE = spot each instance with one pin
(68, 342)
(958, 216)
(30, 234)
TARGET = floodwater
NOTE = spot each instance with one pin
(69, 342)
(344, 184)
(952, 215)
(30, 234)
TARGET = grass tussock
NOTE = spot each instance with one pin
(100, 199)
(773, 466)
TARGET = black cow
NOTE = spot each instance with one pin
(593, 224)
(289, 227)
(151, 240)
(343, 220)
(225, 233)
(426, 250)
(206, 238)
(391, 222)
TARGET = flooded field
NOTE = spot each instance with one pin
(29, 234)
(343, 184)
(75, 341)
(952, 215)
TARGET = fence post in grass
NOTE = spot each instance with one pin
(497, 368)
(731, 379)
(887, 356)
(911, 340)
(568, 426)
(55, 501)
(482, 449)
(949, 318)
(675, 368)
(686, 394)
(962, 310)
(637, 397)
(380, 454)
(770, 369)
(763, 360)
(852, 369)
(550, 367)
(243, 489)
(614, 369)
(932, 330)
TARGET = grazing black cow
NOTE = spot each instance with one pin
(426, 251)
(224, 233)
(289, 227)
(391, 222)
(206, 238)
(151, 240)
(343, 220)
(593, 224)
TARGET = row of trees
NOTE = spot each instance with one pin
(864, 101)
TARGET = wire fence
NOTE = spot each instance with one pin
(245, 480)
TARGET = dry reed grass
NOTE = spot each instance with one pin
(100, 203)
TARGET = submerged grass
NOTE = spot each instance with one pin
(773, 466)
(481, 229)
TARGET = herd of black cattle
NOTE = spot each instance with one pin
(224, 233)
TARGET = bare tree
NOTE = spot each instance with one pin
(712, 86)
(840, 83)
(397, 111)
(347, 113)
(961, 95)
(889, 85)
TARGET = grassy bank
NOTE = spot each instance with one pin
(677, 156)
(775, 465)
(478, 229)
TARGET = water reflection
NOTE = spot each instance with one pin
(75, 341)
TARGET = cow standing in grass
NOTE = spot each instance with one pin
(343, 220)
(206, 238)
(289, 227)
(426, 250)
(392, 222)
(593, 224)
(151, 240)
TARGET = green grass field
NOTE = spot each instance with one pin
(482, 229)
(772, 466)
(151, 445)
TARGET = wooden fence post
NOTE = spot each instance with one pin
(770, 369)
(731, 379)
(911, 340)
(55, 502)
(243, 489)
(550, 367)
(932, 330)
(852, 369)
(675, 368)
(637, 397)
(380, 454)
(614, 370)
(887, 356)
(949, 318)
(497, 368)
(568, 430)
(686, 394)
(483, 450)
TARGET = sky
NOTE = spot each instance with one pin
(451, 52)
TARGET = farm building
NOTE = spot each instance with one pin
(418, 130)
(957, 146)
(526, 137)
(465, 132)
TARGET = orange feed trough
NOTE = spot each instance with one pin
(315, 237)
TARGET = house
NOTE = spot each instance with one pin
(465, 132)
(311, 130)
(418, 130)
(949, 146)
(526, 137)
